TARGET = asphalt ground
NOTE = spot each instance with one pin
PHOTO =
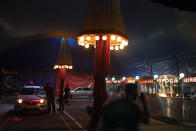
(74, 118)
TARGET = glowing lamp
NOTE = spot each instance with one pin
(98, 26)
(81, 38)
(96, 37)
(20, 101)
(119, 39)
(104, 37)
(123, 79)
(181, 75)
(121, 46)
(91, 39)
(88, 38)
(82, 44)
(64, 60)
(111, 47)
(111, 30)
(125, 43)
(116, 48)
(41, 101)
(87, 46)
(113, 37)
(137, 78)
(156, 76)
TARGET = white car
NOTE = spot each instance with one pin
(81, 92)
(31, 99)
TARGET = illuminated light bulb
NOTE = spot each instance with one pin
(111, 47)
(119, 39)
(116, 48)
(56, 66)
(81, 38)
(59, 67)
(70, 67)
(125, 43)
(88, 38)
(82, 44)
(95, 46)
(96, 37)
(20, 101)
(156, 77)
(121, 46)
(137, 78)
(41, 101)
(104, 37)
(113, 37)
(87, 46)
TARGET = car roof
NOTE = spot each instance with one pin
(37, 87)
(82, 87)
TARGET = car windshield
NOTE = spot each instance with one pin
(31, 91)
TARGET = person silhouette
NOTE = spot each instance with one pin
(124, 114)
(61, 98)
(50, 96)
(67, 92)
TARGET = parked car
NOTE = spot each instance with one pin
(81, 92)
(31, 99)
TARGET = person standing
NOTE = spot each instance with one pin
(61, 98)
(124, 114)
(67, 92)
(50, 96)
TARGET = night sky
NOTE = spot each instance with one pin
(154, 31)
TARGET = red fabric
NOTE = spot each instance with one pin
(60, 74)
(102, 57)
(74, 79)
(101, 70)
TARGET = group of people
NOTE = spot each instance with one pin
(118, 115)
(50, 96)
(63, 95)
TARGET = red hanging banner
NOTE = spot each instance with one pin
(101, 70)
(102, 57)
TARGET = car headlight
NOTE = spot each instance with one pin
(20, 101)
(41, 101)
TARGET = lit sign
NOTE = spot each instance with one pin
(167, 80)
(150, 81)
(130, 80)
(109, 81)
(189, 79)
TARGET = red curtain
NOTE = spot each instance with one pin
(74, 79)
(60, 74)
(101, 70)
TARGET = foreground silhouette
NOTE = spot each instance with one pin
(124, 114)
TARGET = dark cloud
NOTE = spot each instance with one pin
(153, 30)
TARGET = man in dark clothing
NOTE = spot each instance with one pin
(124, 114)
(61, 98)
(50, 96)
(67, 91)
